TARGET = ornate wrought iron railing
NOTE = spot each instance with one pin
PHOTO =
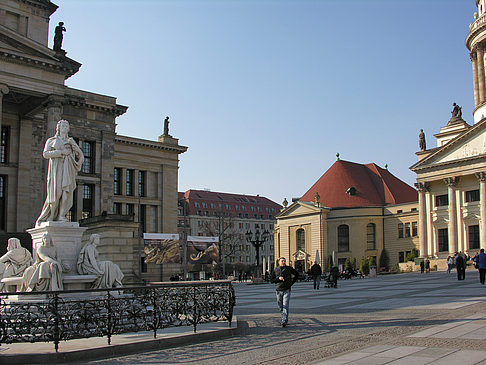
(65, 315)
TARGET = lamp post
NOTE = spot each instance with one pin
(258, 240)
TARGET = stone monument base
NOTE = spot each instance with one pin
(66, 237)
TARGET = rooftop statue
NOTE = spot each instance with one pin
(58, 37)
(45, 274)
(456, 111)
(166, 126)
(422, 143)
(65, 160)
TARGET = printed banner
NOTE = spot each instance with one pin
(161, 248)
(203, 250)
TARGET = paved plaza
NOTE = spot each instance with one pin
(406, 318)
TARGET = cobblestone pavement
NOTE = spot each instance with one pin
(406, 318)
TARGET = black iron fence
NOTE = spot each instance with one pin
(66, 315)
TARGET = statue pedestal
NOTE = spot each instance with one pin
(66, 237)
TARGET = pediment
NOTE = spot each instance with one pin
(299, 209)
(470, 144)
(19, 49)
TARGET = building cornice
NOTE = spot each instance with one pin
(116, 110)
(149, 144)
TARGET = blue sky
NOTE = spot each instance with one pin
(265, 92)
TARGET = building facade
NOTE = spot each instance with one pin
(451, 176)
(230, 217)
(126, 186)
(352, 211)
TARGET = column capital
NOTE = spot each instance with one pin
(481, 176)
(479, 47)
(4, 90)
(473, 56)
(451, 181)
(422, 187)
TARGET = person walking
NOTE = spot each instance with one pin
(460, 266)
(422, 266)
(449, 264)
(482, 266)
(427, 265)
(316, 272)
(284, 277)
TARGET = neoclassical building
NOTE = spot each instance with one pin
(127, 185)
(451, 177)
(352, 211)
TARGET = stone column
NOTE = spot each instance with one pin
(474, 59)
(3, 90)
(481, 81)
(422, 188)
(54, 114)
(482, 196)
(451, 184)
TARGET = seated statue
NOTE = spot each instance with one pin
(14, 262)
(109, 274)
(45, 274)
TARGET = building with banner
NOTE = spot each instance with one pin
(126, 186)
(352, 211)
(230, 217)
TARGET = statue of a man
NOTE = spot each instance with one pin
(422, 143)
(58, 36)
(456, 111)
(65, 160)
(166, 126)
(108, 273)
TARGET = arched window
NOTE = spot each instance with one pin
(371, 236)
(343, 238)
(300, 239)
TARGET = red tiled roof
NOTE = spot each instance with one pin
(374, 187)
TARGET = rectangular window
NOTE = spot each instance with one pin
(88, 193)
(3, 202)
(441, 200)
(142, 214)
(204, 204)
(89, 157)
(129, 209)
(143, 264)
(400, 230)
(443, 239)
(472, 196)
(72, 214)
(141, 183)
(117, 208)
(129, 183)
(414, 229)
(407, 229)
(4, 144)
(401, 256)
(117, 181)
(473, 237)
(196, 204)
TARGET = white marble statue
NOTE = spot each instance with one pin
(65, 160)
(46, 273)
(15, 261)
(109, 274)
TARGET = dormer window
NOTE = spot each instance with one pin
(351, 191)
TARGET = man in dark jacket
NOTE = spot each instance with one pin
(284, 277)
(316, 273)
(481, 263)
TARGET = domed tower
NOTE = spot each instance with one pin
(476, 43)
